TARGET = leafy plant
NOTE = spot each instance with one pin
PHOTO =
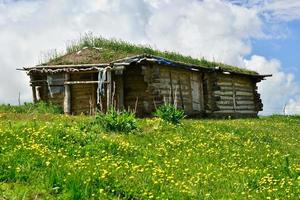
(169, 113)
(117, 121)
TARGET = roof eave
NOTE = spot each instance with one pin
(149, 58)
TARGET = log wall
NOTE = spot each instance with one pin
(173, 86)
(153, 85)
(83, 96)
(232, 95)
(136, 95)
(146, 86)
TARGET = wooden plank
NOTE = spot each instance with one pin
(224, 93)
(224, 84)
(171, 87)
(201, 93)
(108, 89)
(34, 98)
(245, 107)
(67, 97)
(181, 95)
(227, 107)
(195, 87)
(238, 98)
(233, 95)
(238, 93)
(81, 82)
(239, 89)
(225, 103)
(245, 102)
(121, 93)
(243, 84)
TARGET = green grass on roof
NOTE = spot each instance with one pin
(113, 49)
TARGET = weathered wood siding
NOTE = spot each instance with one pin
(232, 95)
(176, 86)
(145, 86)
(136, 95)
(83, 96)
(39, 82)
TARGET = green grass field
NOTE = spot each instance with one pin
(52, 156)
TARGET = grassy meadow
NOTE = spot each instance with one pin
(52, 156)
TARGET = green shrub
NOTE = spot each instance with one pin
(169, 113)
(117, 121)
(39, 107)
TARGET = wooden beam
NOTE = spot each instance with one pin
(171, 88)
(34, 98)
(82, 82)
(121, 92)
(108, 90)
(180, 94)
(67, 97)
(233, 94)
(201, 93)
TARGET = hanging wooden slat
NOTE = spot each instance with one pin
(67, 97)
(109, 89)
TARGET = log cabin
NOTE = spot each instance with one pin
(99, 73)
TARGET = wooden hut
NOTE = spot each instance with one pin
(94, 78)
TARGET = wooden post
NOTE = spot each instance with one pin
(108, 89)
(171, 88)
(121, 93)
(94, 93)
(233, 94)
(67, 97)
(34, 94)
(180, 94)
(202, 93)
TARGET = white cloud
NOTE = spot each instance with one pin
(282, 10)
(211, 29)
(293, 106)
(214, 29)
(273, 10)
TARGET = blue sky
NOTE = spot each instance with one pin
(262, 35)
(287, 49)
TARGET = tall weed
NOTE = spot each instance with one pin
(117, 121)
(169, 113)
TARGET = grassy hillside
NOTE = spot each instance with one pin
(47, 156)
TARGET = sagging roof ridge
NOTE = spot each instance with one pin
(137, 59)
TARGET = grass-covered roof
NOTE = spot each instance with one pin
(94, 50)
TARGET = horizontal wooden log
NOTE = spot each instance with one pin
(38, 81)
(225, 103)
(224, 84)
(243, 84)
(46, 84)
(245, 107)
(234, 80)
(238, 93)
(237, 98)
(225, 107)
(82, 82)
(249, 102)
(240, 89)
(223, 93)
